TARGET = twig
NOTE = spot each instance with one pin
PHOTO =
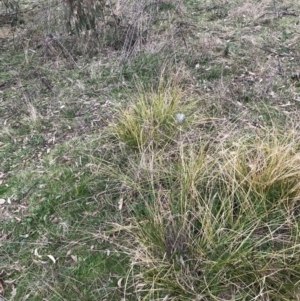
(88, 110)
(275, 9)
(280, 70)
(65, 51)
(19, 12)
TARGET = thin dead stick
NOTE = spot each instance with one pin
(275, 9)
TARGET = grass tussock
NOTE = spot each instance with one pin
(152, 118)
(218, 223)
(268, 168)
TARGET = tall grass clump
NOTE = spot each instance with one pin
(220, 223)
(266, 169)
(150, 119)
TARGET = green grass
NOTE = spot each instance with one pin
(105, 195)
(63, 219)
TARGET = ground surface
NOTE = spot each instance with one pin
(74, 188)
